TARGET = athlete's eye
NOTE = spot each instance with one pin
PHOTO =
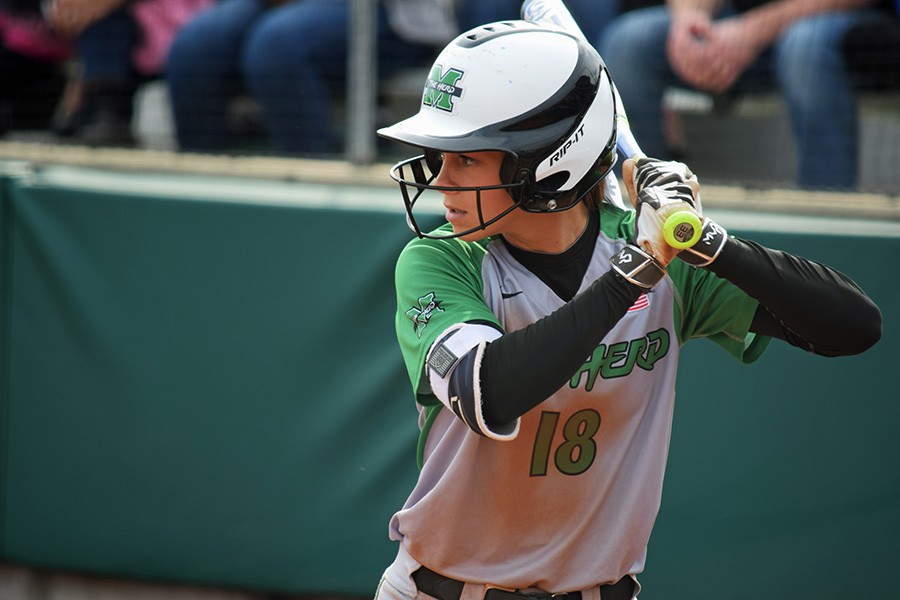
(467, 161)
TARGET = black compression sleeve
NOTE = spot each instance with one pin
(523, 368)
(808, 304)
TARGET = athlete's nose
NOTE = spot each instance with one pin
(445, 176)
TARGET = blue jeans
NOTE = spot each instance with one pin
(292, 58)
(105, 47)
(805, 64)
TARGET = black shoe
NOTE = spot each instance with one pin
(105, 129)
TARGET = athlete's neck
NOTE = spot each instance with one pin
(549, 233)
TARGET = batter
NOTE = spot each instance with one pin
(541, 325)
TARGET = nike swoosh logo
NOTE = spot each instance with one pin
(507, 296)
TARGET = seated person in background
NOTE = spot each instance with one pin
(291, 57)
(120, 45)
(32, 57)
(750, 45)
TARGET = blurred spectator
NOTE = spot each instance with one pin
(31, 66)
(291, 57)
(750, 45)
(872, 51)
(121, 44)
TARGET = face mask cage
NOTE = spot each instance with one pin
(418, 172)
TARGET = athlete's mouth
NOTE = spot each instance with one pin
(452, 210)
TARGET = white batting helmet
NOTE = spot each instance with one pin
(539, 94)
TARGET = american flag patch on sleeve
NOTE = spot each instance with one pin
(642, 302)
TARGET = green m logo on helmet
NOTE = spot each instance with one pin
(441, 88)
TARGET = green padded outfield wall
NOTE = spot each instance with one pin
(199, 384)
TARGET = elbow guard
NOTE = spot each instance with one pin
(454, 367)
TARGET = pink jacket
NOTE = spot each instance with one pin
(158, 22)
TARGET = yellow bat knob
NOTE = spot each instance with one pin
(682, 229)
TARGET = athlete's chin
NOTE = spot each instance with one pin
(459, 228)
(460, 221)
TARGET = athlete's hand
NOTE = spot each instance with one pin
(649, 172)
(711, 55)
(658, 189)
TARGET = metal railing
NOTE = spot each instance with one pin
(362, 84)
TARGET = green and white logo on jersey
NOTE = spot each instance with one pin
(441, 88)
(421, 314)
(619, 359)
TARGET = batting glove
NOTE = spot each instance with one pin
(652, 172)
(665, 189)
(655, 206)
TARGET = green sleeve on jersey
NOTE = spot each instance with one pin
(708, 306)
(438, 284)
(616, 223)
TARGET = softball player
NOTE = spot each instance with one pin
(541, 325)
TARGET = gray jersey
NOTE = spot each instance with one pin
(568, 500)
